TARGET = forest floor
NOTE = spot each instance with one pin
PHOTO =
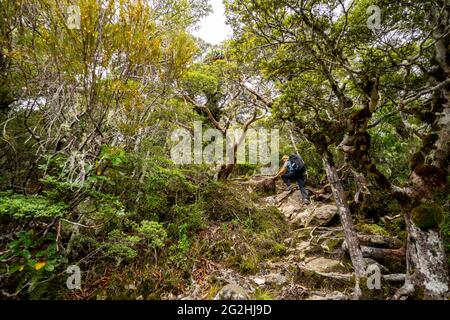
(314, 265)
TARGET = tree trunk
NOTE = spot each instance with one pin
(291, 135)
(427, 274)
(351, 238)
(225, 171)
(427, 270)
(227, 168)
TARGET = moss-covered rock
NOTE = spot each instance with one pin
(427, 215)
(329, 245)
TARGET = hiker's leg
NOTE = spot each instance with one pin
(301, 186)
(287, 177)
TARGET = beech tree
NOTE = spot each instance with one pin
(216, 90)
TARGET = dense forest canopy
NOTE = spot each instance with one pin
(92, 91)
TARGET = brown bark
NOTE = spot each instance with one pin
(351, 238)
(383, 253)
(225, 171)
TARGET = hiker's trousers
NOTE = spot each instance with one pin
(300, 179)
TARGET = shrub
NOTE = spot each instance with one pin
(23, 207)
(121, 246)
(153, 232)
(29, 261)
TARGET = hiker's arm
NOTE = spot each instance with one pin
(281, 171)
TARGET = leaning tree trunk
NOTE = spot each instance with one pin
(351, 238)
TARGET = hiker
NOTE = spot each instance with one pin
(293, 169)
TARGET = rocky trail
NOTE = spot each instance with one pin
(314, 267)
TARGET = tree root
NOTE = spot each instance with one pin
(391, 278)
(383, 253)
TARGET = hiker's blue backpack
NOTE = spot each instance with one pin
(297, 163)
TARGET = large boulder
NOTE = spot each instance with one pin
(290, 204)
(322, 215)
(318, 215)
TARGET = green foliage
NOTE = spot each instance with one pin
(23, 207)
(392, 152)
(113, 156)
(198, 82)
(245, 169)
(179, 250)
(183, 241)
(193, 215)
(153, 232)
(30, 252)
(59, 179)
(121, 251)
(120, 246)
(30, 260)
(126, 246)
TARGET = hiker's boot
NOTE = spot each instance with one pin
(306, 201)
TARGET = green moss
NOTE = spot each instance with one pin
(330, 244)
(371, 229)
(248, 264)
(267, 219)
(403, 235)
(355, 110)
(279, 249)
(427, 215)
